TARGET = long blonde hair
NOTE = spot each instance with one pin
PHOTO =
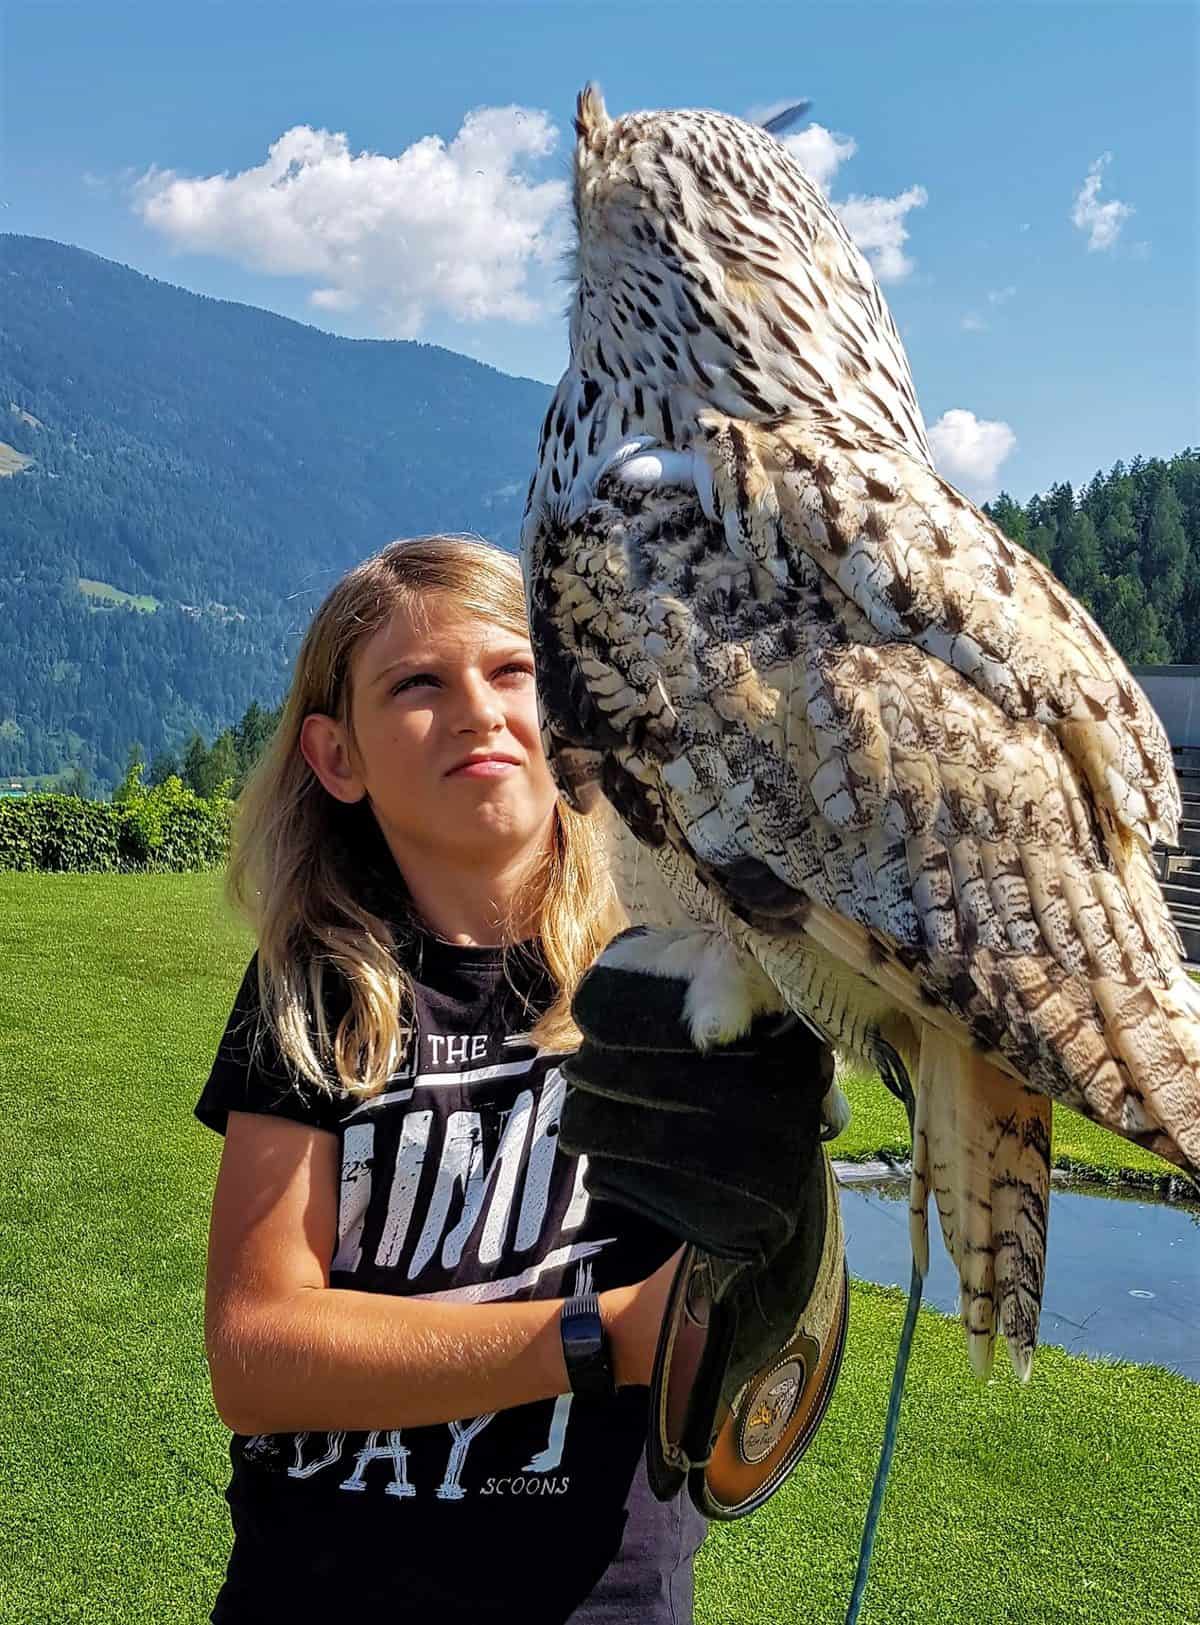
(315, 877)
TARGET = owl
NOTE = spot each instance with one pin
(865, 758)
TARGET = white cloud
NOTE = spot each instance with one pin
(448, 227)
(460, 228)
(113, 183)
(973, 322)
(877, 226)
(819, 152)
(1102, 221)
(969, 450)
(875, 223)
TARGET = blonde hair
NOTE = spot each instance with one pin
(315, 877)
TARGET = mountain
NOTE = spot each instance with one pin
(181, 481)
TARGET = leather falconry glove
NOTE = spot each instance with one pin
(724, 1149)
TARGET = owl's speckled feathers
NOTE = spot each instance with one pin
(872, 743)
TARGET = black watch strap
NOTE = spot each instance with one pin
(585, 1348)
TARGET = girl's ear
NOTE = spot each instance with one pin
(325, 746)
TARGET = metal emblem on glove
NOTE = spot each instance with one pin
(769, 1410)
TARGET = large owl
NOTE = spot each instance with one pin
(878, 766)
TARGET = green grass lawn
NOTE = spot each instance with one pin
(1074, 1500)
(105, 596)
(1089, 1151)
(12, 461)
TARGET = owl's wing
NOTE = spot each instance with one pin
(927, 568)
(839, 786)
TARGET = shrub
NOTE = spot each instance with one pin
(166, 827)
(59, 833)
(171, 827)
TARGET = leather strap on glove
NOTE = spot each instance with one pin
(723, 1148)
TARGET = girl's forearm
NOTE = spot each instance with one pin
(326, 1358)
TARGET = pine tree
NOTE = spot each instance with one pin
(1010, 517)
(251, 736)
(1166, 557)
(195, 765)
(1041, 543)
(164, 766)
(1077, 559)
(131, 784)
(1116, 526)
(1130, 621)
(221, 767)
(1062, 505)
(1041, 528)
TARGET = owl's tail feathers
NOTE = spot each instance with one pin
(981, 1144)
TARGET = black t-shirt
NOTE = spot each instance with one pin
(453, 1189)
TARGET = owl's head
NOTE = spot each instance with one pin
(709, 266)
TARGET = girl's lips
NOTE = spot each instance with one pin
(485, 767)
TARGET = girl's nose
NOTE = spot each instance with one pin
(480, 710)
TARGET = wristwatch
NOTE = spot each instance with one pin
(585, 1348)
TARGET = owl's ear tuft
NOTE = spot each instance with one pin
(592, 122)
(782, 121)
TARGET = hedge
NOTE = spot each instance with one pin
(167, 828)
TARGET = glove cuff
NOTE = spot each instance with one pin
(736, 1398)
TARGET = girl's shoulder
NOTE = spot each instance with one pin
(250, 1071)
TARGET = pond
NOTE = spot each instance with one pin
(1122, 1272)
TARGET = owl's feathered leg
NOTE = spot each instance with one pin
(726, 990)
(981, 1143)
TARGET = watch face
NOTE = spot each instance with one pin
(585, 1349)
(583, 1341)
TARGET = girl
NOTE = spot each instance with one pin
(394, 1233)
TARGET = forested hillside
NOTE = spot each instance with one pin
(218, 459)
(181, 480)
(1127, 546)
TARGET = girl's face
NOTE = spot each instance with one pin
(445, 739)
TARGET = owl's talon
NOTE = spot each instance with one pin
(835, 1112)
(645, 465)
(624, 453)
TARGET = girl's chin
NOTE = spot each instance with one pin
(470, 828)
(513, 828)
(492, 819)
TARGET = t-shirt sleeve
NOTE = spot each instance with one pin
(250, 1074)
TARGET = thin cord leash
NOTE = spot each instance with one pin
(894, 1076)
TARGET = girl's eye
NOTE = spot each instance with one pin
(418, 678)
(516, 668)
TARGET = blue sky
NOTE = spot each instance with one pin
(1025, 175)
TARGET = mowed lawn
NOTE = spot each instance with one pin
(1074, 1500)
(1091, 1153)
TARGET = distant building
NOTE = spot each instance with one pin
(1174, 692)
